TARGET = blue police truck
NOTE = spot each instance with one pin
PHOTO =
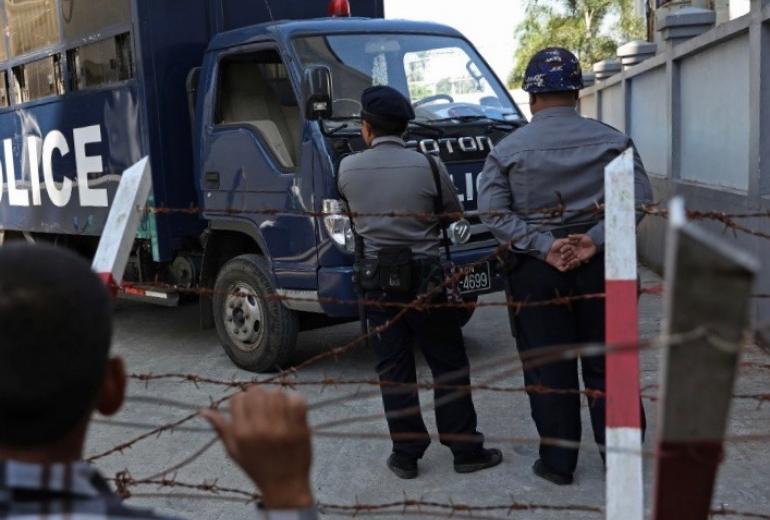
(245, 108)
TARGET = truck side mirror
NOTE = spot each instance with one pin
(319, 87)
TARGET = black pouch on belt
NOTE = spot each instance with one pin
(396, 269)
(366, 275)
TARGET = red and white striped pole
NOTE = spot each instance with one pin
(123, 221)
(625, 500)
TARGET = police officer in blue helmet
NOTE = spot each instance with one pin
(398, 260)
(557, 161)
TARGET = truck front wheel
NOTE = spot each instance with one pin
(257, 331)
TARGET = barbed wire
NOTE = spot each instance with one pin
(336, 383)
(427, 304)
(538, 358)
(414, 506)
(546, 357)
(329, 382)
(753, 364)
(126, 483)
(331, 353)
(214, 404)
(556, 211)
(544, 215)
(723, 511)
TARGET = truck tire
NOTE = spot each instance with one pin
(465, 315)
(258, 333)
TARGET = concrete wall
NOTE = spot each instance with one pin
(714, 130)
(699, 113)
(648, 119)
(612, 108)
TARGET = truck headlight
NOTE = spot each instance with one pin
(338, 225)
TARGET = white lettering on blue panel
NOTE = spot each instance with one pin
(60, 194)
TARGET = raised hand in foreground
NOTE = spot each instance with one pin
(269, 438)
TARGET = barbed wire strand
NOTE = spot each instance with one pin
(543, 215)
(125, 483)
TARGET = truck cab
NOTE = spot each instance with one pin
(278, 244)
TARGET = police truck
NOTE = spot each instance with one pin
(245, 109)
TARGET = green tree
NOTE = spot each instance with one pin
(418, 92)
(582, 26)
(444, 86)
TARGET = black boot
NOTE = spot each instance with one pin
(478, 460)
(404, 466)
(542, 471)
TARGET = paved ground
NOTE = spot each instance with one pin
(349, 471)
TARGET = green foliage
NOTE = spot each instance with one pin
(578, 25)
(418, 92)
(444, 86)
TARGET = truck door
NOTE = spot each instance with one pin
(253, 162)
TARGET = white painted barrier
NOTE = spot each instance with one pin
(122, 224)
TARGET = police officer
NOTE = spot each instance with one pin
(399, 259)
(558, 159)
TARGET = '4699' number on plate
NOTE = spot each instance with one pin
(477, 279)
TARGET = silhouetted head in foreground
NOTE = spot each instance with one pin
(55, 370)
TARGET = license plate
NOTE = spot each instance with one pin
(478, 278)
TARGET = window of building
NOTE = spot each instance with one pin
(38, 79)
(82, 17)
(31, 24)
(101, 63)
(4, 100)
(255, 90)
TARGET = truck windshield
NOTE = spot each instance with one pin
(443, 76)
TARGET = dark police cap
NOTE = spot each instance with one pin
(386, 103)
(553, 70)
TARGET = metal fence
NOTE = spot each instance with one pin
(699, 112)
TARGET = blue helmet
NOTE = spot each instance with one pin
(553, 70)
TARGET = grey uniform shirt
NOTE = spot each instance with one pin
(391, 178)
(558, 158)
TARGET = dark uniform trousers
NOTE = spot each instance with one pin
(557, 416)
(438, 335)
